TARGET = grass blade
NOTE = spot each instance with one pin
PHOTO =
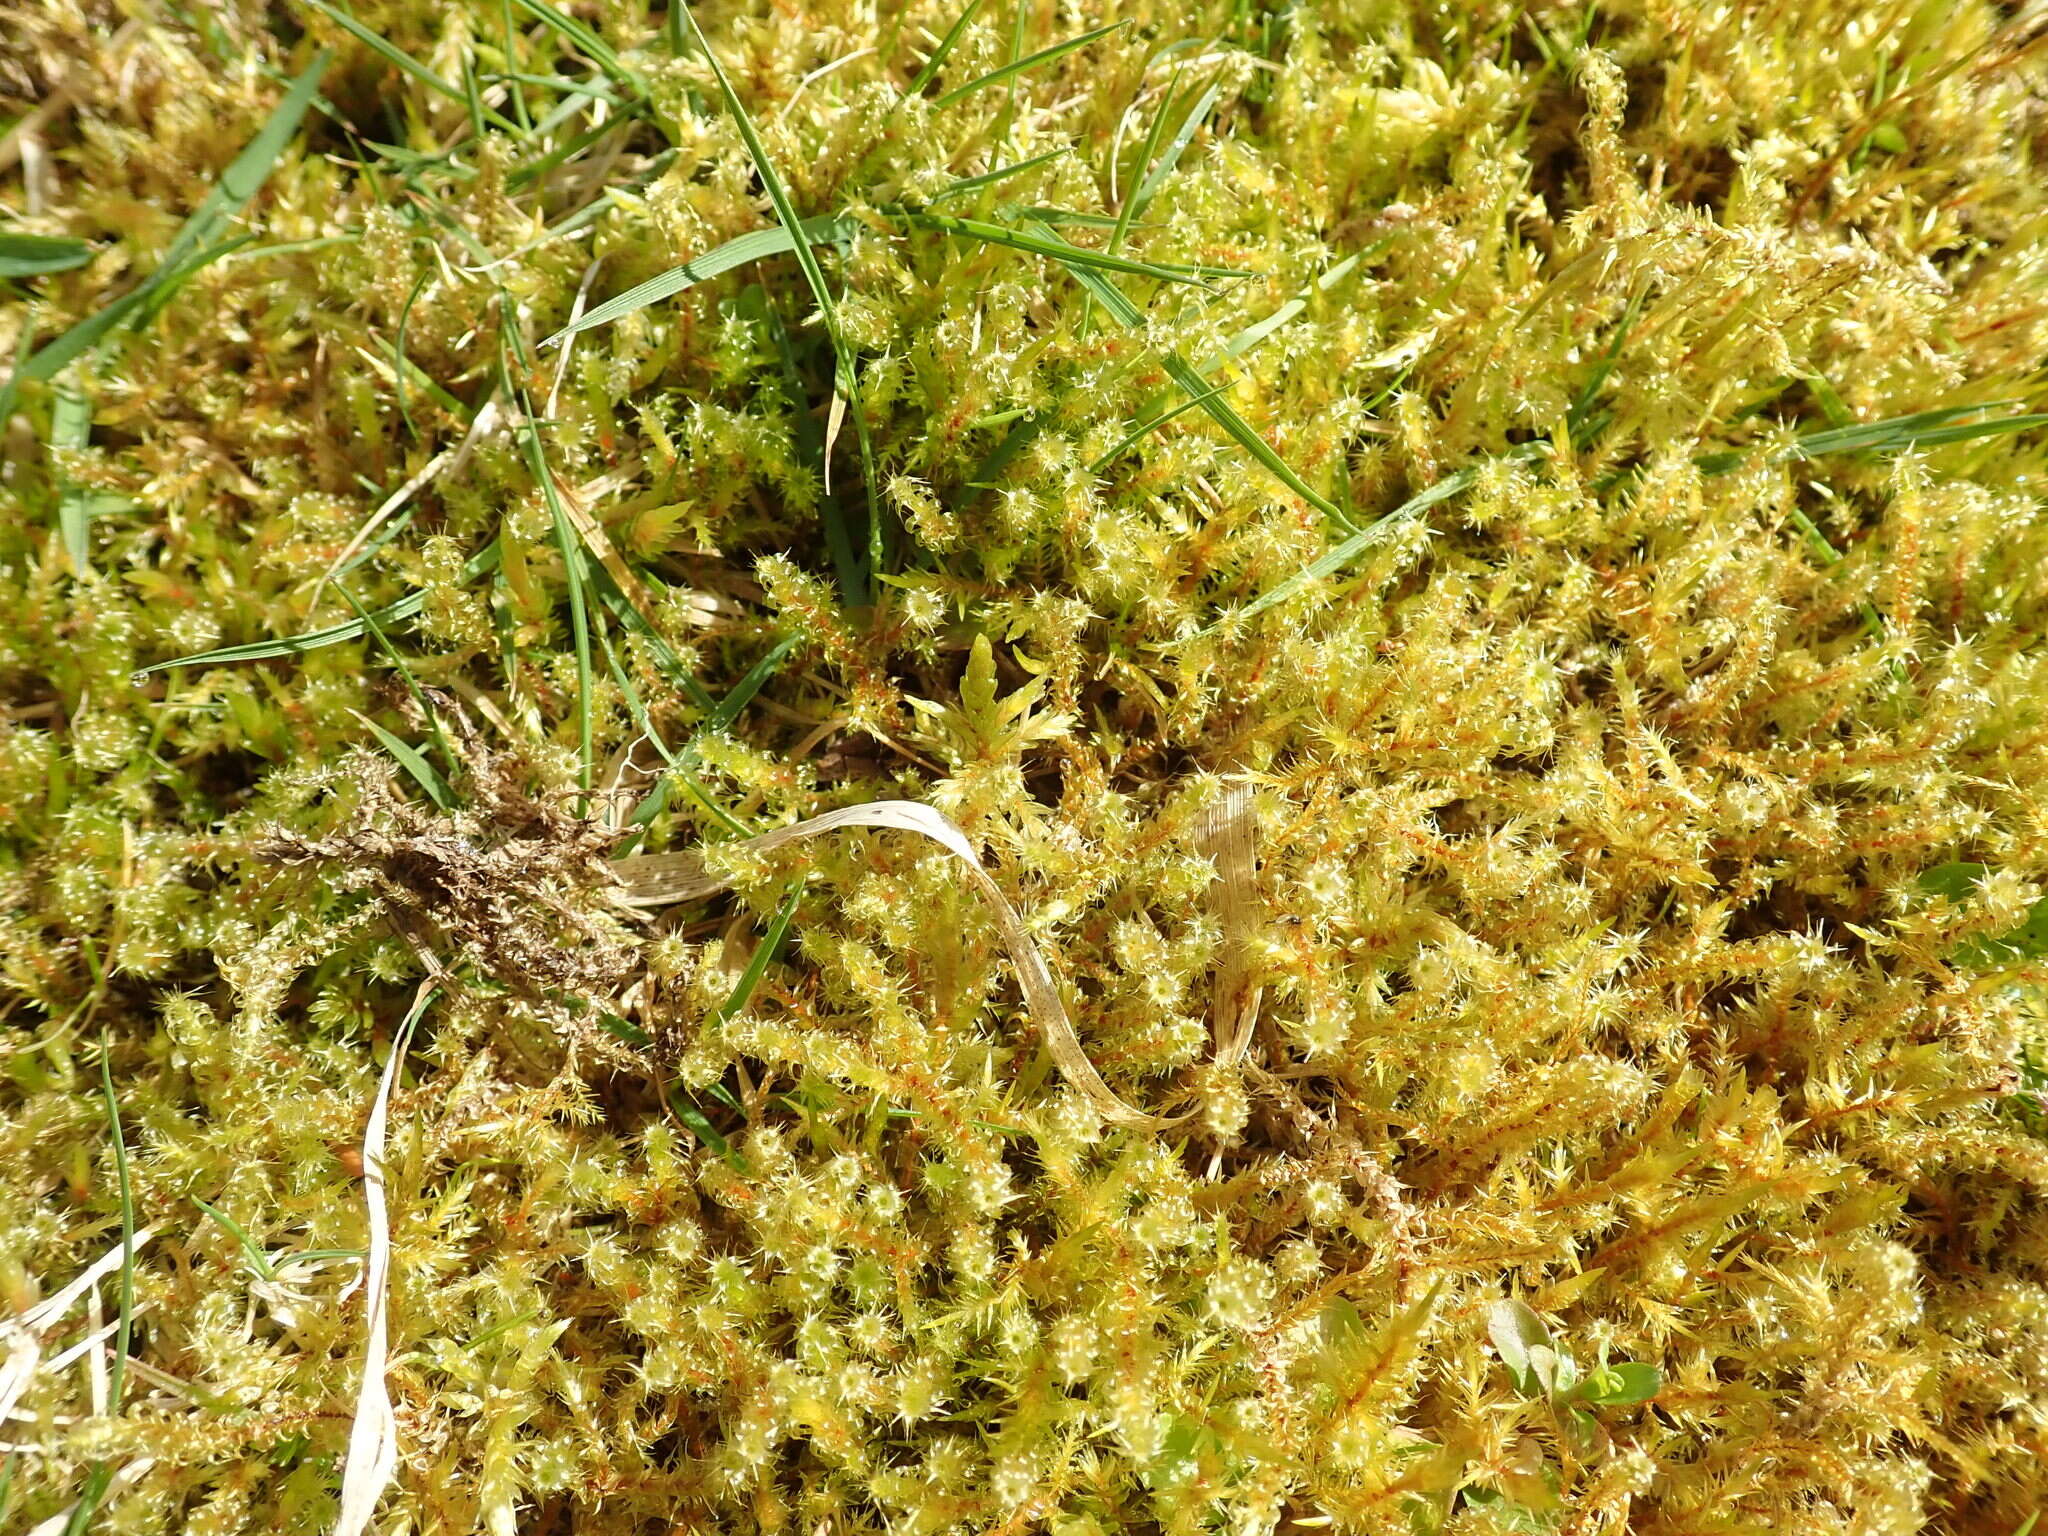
(249, 170)
(1056, 249)
(34, 255)
(70, 429)
(1030, 61)
(1183, 136)
(410, 759)
(1342, 554)
(593, 47)
(1145, 429)
(390, 52)
(242, 180)
(947, 44)
(785, 213)
(758, 962)
(480, 564)
(1183, 373)
(1579, 420)
(1146, 151)
(1921, 428)
(579, 613)
(699, 1125)
(968, 184)
(736, 252)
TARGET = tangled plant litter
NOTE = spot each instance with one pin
(1570, 478)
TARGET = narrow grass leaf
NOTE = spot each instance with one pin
(388, 51)
(1904, 432)
(595, 48)
(937, 60)
(736, 252)
(1157, 177)
(814, 275)
(1220, 410)
(242, 180)
(968, 184)
(1146, 151)
(480, 564)
(1029, 62)
(1052, 247)
(35, 255)
(70, 430)
(758, 962)
(409, 758)
(250, 169)
(699, 1125)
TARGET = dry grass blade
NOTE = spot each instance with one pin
(658, 880)
(373, 1437)
(20, 1337)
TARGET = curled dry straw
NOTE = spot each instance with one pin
(1226, 832)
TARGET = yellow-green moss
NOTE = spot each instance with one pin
(1651, 830)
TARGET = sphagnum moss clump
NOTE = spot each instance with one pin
(1567, 471)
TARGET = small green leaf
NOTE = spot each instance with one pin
(1524, 1345)
(1955, 881)
(1887, 137)
(1618, 1386)
(33, 255)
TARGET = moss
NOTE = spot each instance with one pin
(1653, 816)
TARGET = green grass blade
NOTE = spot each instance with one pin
(1921, 429)
(809, 435)
(249, 170)
(70, 429)
(968, 184)
(1190, 125)
(699, 1125)
(480, 564)
(593, 47)
(1146, 151)
(570, 546)
(1579, 420)
(1220, 410)
(1342, 554)
(258, 1261)
(741, 694)
(242, 180)
(1055, 249)
(785, 213)
(414, 763)
(35, 255)
(1139, 433)
(736, 252)
(947, 44)
(1030, 61)
(758, 962)
(390, 52)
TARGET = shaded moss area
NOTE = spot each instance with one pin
(1576, 465)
